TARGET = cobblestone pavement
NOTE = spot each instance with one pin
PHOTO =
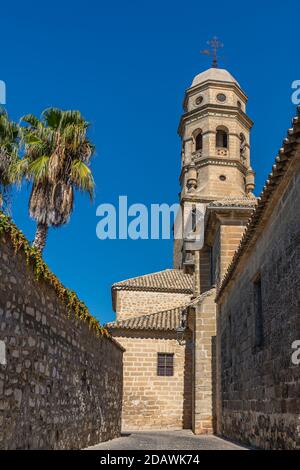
(166, 440)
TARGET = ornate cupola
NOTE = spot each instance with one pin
(215, 161)
(215, 139)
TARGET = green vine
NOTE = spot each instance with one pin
(42, 271)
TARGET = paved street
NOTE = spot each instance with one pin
(166, 440)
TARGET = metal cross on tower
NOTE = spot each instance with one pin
(214, 44)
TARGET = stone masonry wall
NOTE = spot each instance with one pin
(60, 384)
(151, 401)
(230, 236)
(258, 385)
(133, 303)
(205, 269)
(204, 318)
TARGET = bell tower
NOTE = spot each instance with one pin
(215, 133)
(216, 201)
(215, 155)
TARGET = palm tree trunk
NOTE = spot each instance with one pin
(40, 237)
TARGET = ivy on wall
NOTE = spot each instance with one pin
(42, 272)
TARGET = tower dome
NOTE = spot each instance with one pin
(216, 75)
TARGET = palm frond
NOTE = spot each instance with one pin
(38, 169)
(52, 117)
(82, 177)
(19, 169)
(9, 144)
(72, 117)
(31, 119)
(31, 138)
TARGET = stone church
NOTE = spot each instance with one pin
(208, 343)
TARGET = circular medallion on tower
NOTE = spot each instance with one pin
(199, 100)
(221, 97)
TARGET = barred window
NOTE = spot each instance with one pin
(165, 364)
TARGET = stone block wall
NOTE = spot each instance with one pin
(211, 187)
(151, 401)
(60, 384)
(230, 237)
(177, 253)
(204, 330)
(134, 303)
(258, 384)
(226, 240)
(205, 269)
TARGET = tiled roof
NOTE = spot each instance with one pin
(167, 320)
(169, 280)
(290, 146)
(234, 202)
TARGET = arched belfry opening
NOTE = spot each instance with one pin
(222, 138)
(198, 140)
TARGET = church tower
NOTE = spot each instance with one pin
(216, 201)
(215, 157)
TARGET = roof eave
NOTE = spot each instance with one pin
(171, 290)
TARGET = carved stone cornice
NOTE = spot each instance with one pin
(234, 212)
(200, 162)
(219, 161)
(218, 110)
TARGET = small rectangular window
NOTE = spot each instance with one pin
(165, 364)
(258, 308)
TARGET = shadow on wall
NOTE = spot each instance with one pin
(214, 381)
(188, 384)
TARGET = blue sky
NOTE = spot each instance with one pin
(125, 66)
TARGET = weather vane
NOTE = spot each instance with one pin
(214, 44)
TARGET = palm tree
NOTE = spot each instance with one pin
(9, 143)
(56, 160)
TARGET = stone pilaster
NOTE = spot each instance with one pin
(204, 359)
